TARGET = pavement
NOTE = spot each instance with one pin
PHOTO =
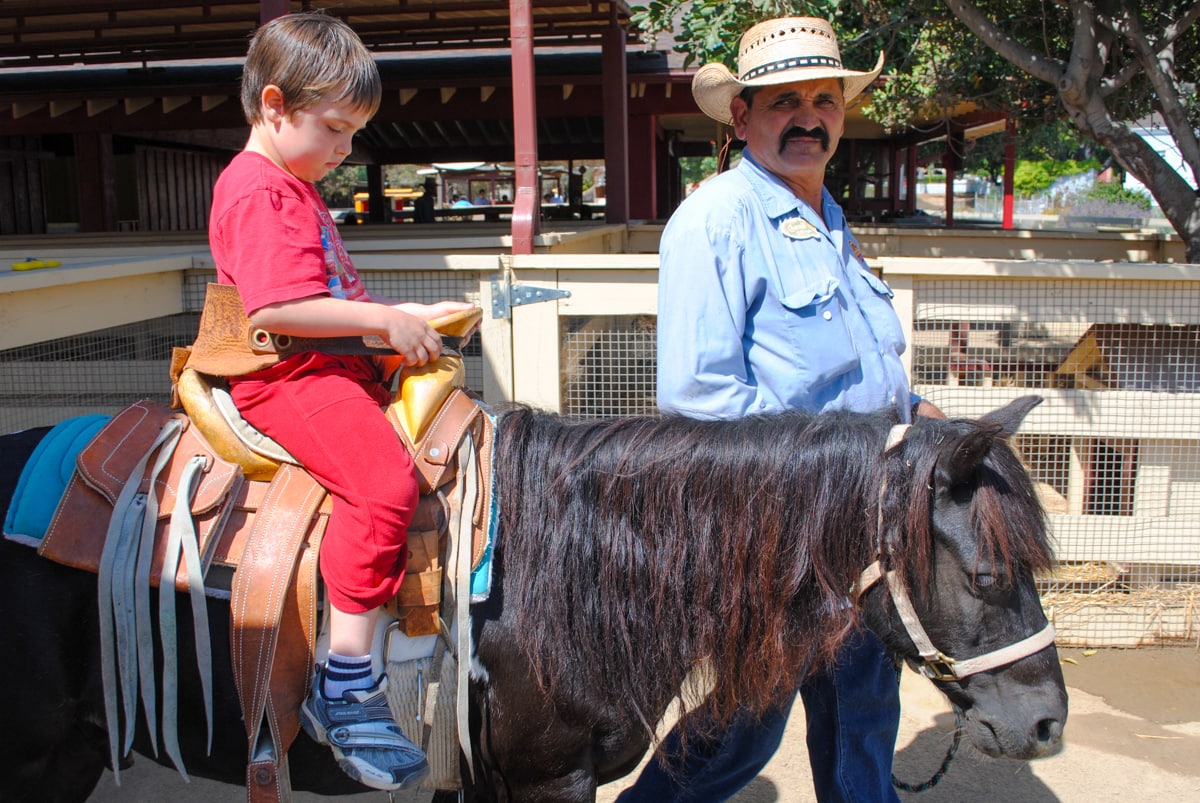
(1133, 733)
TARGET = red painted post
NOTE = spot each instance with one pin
(1010, 169)
(616, 125)
(527, 201)
(910, 203)
(948, 163)
(643, 163)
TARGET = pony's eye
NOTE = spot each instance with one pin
(985, 581)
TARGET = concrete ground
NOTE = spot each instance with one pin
(1133, 733)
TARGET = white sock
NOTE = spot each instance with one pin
(346, 672)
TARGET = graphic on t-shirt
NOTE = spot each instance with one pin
(340, 275)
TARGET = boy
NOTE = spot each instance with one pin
(309, 85)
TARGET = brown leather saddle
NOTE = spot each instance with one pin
(221, 510)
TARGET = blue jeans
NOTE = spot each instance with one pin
(853, 715)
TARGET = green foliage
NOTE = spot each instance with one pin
(709, 31)
(1053, 140)
(1033, 177)
(402, 176)
(339, 185)
(694, 169)
(1114, 193)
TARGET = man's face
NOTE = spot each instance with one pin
(793, 129)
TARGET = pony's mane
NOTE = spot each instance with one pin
(635, 550)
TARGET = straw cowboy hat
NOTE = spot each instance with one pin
(778, 51)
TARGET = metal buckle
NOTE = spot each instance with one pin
(939, 667)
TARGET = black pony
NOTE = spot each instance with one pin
(637, 554)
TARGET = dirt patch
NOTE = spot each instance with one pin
(1161, 684)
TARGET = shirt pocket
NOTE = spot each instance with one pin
(880, 312)
(822, 347)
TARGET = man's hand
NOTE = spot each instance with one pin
(927, 410)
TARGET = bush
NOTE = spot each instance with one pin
(1113, 193)
(1109, 201)
(1033, 177)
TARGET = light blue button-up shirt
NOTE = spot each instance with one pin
(763, 307)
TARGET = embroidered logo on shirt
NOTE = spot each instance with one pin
(854, 249)
(799, 229)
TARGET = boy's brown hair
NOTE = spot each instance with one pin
(312, 58)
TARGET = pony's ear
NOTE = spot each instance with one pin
(961, 459)
(1010, 416)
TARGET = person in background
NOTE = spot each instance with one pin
(423, 206)
(765, 304)
(308, 86)
(482, 200)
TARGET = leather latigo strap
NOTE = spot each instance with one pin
(272, 593)
(228, 344)
(263, 342)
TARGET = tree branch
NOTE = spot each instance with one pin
(1036, 64)
(1159, 65)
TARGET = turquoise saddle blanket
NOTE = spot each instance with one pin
(45, 476)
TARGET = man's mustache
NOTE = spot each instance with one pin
(797, 132)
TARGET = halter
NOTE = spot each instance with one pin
(935, 664)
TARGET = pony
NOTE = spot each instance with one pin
(639, 558)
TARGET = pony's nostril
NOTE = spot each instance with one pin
(1049, 731)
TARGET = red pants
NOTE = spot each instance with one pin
(325, 410)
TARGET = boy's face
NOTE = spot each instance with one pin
(311, 142)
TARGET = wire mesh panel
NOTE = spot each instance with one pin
(608, 365)
(104, 371)
(98, 372)
(1113, 447)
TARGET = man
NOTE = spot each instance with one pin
(423, 206)
(765, 304)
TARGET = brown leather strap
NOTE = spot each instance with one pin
(227, 344)
(271, 686)
(263, 342)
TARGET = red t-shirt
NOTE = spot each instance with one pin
(274, 239)
(272, 236)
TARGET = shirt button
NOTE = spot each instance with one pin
(827, 315)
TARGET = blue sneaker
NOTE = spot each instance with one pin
(366, 741)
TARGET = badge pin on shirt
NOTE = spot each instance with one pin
(799, 229)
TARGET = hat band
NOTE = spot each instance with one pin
(792, 64)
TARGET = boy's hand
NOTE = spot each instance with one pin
(412, 338)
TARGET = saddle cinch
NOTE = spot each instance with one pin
(192, 492)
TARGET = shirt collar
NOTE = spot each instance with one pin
(779, 201)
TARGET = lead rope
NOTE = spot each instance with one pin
(936, 778)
